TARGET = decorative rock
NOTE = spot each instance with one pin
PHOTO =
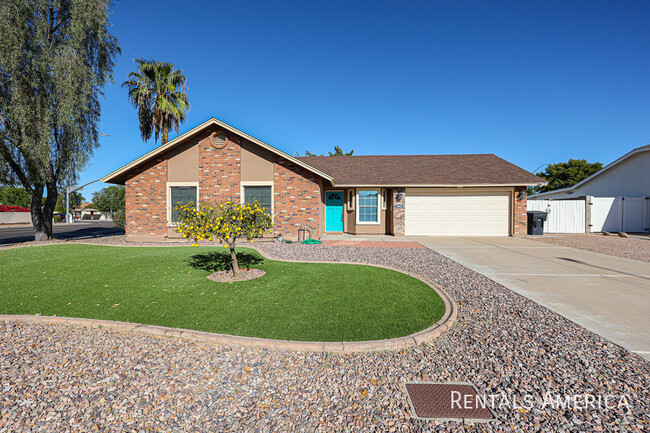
(68, 378)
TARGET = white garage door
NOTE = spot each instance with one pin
(464, 214)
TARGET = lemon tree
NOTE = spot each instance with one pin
(223, 221)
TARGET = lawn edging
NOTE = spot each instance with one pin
(444, 323)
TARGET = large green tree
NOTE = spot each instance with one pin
(566, 174)
(109, 199)
(55, 58)
(12, 196)
(158, 92)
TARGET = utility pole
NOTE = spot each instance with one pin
(69, 189)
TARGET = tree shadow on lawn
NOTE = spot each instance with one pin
(217, 261)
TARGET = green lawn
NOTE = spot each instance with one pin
(168, 287)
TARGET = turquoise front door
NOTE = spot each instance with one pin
(334, 211)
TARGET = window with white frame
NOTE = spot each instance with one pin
(368, 206)
(262, 193)
(179, 195)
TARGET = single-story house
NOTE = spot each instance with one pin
(617, 196)
(86, 212)
(479, 195)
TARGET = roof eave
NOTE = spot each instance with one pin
(212, 121)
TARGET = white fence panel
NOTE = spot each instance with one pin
(616, 214)
(606, 214)
(565, 216)
(634, 214)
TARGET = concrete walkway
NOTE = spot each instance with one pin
(371, 241)
(607, 295)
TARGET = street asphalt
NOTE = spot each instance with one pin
(13, 234)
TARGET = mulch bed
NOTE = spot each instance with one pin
(245, 274)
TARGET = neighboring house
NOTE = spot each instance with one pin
(85, 212)
(617, 197)
(399, 195)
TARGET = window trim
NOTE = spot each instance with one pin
(242, 197)
(378, 191)
(169, 199)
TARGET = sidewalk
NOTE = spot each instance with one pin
(373, 241)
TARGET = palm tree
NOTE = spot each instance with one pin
(158, 92)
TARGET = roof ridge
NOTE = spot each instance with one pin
(386, 155)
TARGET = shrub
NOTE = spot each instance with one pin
(118, 218)
(13, 209)
(226, 221)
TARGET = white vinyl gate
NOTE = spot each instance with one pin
(565, 216)
(608, 214)
(620, 214)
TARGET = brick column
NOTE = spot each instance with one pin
(398, 211)
(146, 201)
(219, 171)
(521, 216)
(296, 199)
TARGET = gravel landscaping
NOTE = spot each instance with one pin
(635, 248)
(63, 378)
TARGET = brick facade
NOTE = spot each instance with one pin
(520, 217)
(398, 211)
(219, 170)
(296, 196)
(146, 197)
(296, 190)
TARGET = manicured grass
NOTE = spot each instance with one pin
(168, 287)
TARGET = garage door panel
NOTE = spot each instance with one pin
(463, 214)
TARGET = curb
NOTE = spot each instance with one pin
(392, 344)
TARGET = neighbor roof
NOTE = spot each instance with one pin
(118, 176)
(422, 170)
(598, 173)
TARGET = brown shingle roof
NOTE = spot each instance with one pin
(426, 170)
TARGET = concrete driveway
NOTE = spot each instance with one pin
(607, 295)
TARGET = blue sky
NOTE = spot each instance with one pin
(532, 82)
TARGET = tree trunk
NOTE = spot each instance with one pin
(48, 209)
(42, 214)
(235, 263)
(38, 222)
(164, 136)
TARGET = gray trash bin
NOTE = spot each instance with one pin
(536, 220)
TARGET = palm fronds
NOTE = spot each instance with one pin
(159, 93)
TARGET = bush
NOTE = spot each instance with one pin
(118, 219)
(12, 209)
